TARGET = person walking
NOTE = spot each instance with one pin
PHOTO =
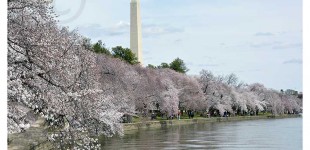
(192, 114)
(179, 114)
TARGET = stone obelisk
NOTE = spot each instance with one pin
(135, 29)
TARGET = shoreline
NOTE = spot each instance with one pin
(31, 137)
(128, 127)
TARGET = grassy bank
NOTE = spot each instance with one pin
(158, 123)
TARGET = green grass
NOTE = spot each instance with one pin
(264, 114)
(158, 118)
(136, 119)
(185, 116)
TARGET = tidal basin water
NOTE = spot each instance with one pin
(278, 134)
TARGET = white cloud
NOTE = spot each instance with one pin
(293, 61)
(155, 29)
(264, 34)
(122, 25)
(96, 30)
(287, 46)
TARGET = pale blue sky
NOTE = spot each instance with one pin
(259, 40)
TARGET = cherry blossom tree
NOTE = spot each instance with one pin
(239, 103)
(51, 74)
(231, 79)
(168, 92)
(223, 94)
(291, 103)
(191, 96)
(217, 92)
(178, 91)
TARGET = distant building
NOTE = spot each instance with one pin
(291, 92)
(300, 95)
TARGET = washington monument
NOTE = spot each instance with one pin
(135, 29)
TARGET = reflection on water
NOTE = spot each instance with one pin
(258, 134)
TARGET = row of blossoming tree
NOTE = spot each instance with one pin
(52, 73)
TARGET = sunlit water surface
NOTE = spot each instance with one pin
(280, 134)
